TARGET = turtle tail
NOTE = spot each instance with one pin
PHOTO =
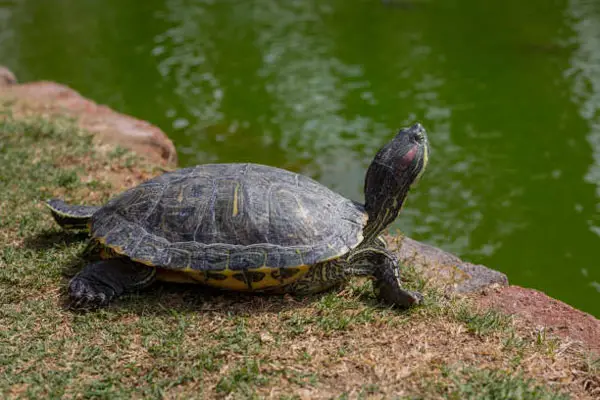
(71, 216)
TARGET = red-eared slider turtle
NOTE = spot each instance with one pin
(248, 227)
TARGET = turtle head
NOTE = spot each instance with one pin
(398, 165)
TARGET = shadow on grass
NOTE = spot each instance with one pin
(168, 299)
(51, 238)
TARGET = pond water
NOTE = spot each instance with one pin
(508, 91)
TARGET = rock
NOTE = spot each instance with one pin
(108, 125)
(538, 309)
(7, 77)
(449, 270)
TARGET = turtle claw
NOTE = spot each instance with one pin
(85, 294)
(417, 298)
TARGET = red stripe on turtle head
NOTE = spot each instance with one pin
(406, 160)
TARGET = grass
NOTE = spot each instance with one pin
(173, 341)
(482, 324)
(475, 384)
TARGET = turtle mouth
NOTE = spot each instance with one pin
(418, 133)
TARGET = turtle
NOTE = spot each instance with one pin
(248, 227)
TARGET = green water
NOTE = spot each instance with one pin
(509, 92)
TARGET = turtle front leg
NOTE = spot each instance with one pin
(384, 267)
(100, 282)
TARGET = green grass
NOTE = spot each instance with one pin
(483, 323)
(474, 384)
(172, 341)
(243, 378)
(334, 313)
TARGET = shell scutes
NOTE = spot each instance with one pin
(230, 217)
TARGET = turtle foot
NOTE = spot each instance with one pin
(102, 281)
(86, 294)
(399, 297)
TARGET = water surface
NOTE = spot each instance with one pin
(509, 92)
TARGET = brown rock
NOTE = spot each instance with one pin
(108, 125)
(7, 77)
(445, 268)
(540, 310)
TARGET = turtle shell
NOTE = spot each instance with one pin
(230, 219)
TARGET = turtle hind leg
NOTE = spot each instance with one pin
(71, 216)
(102, 281)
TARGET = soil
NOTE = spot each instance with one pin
(539, 310)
